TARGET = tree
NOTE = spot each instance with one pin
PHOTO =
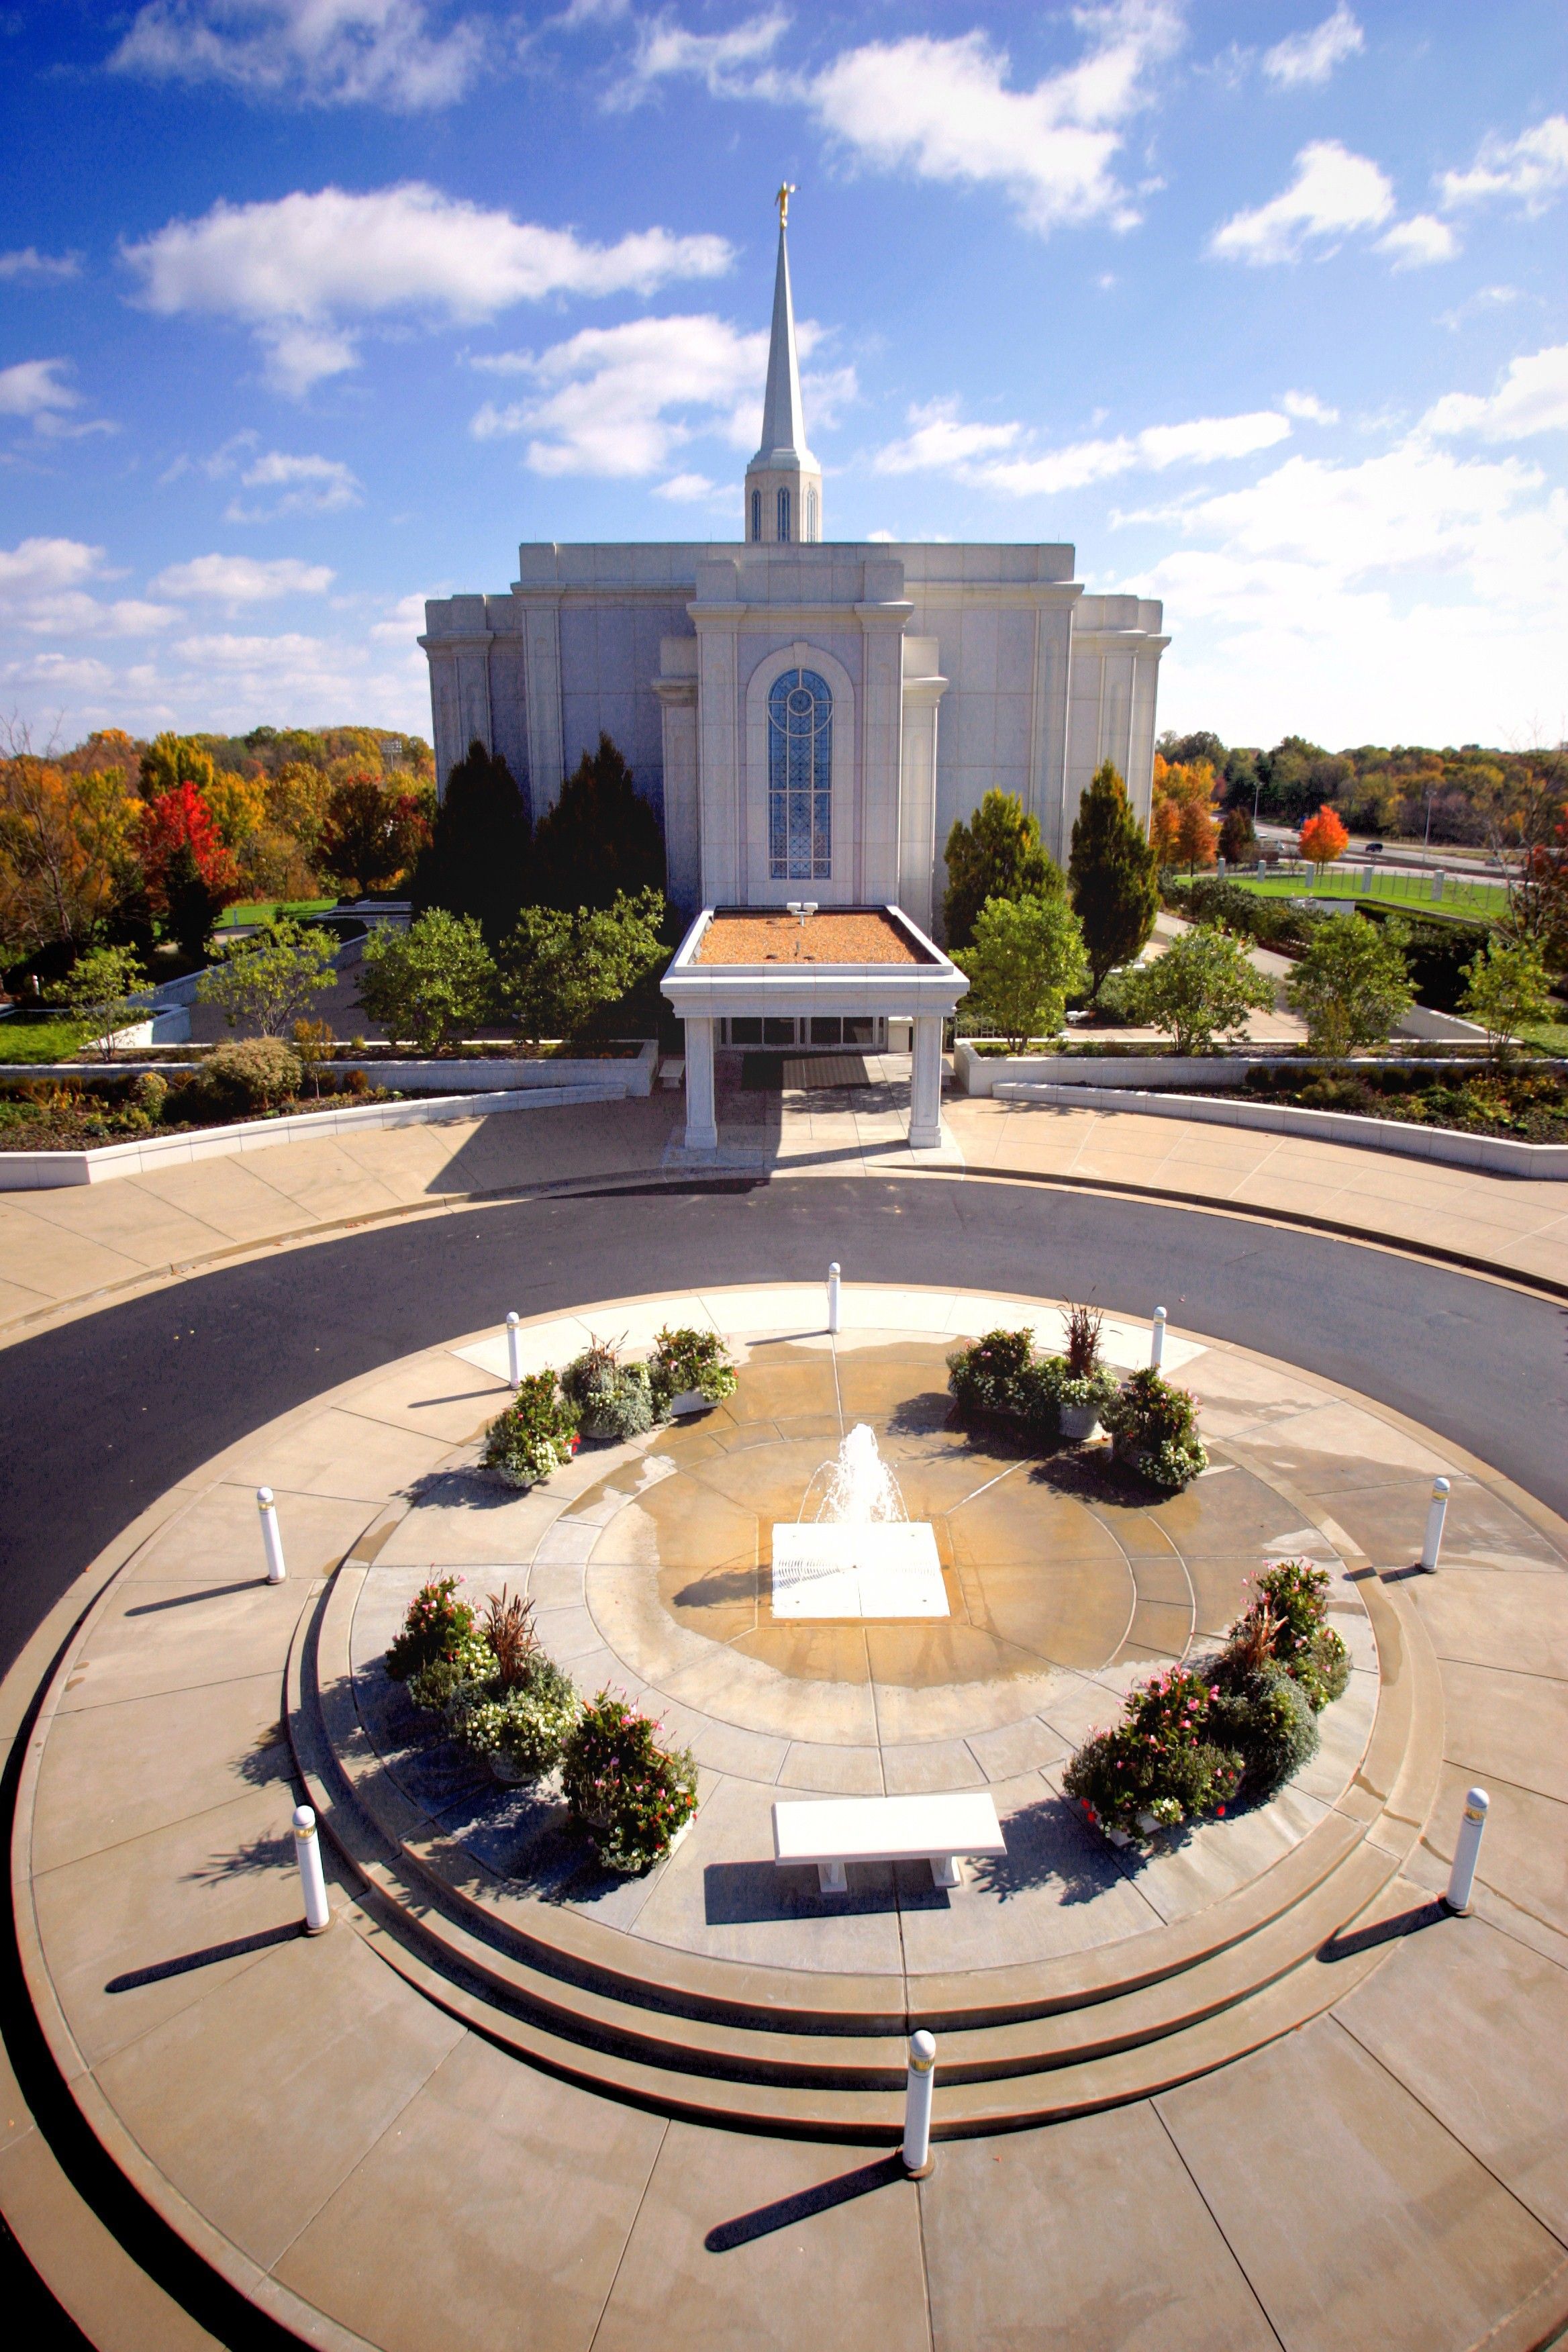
(1115, 887)
(429, 982)
(1505, 989)
(1203, 987)
(170, 760)
(600, 841)
(191, 877)
(1238, 840)
(998, 854)
(1181, 827)
(557, 969)
(68, 862)
(1351, 986)
(99, 989)
(477, 861)
(1026, 957)
(372, 831)
(1323, 838)
(267, 981)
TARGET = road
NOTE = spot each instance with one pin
(102, 1414)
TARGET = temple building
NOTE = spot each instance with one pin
(809, 715)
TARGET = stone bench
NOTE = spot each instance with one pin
(834, 1831)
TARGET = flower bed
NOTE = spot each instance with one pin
(1530, 1105)
(598, 1396)
(631, 1796)
(1040, 1401)
(1193, 1740)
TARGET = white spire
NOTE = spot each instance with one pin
(783, 481)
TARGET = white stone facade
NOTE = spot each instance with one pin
(953, 669)
(945, 670)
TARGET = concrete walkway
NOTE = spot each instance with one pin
(374, 2172)
(72, 1250)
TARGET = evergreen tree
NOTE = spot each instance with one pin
(601, 838)
(997, 854)
(477, 861)
(1115, 890)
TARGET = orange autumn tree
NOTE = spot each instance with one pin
(1323, 838)
(1183, 830)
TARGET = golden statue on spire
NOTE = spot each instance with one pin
(786, 189)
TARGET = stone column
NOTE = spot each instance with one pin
(701, 1128)
(925, 1085)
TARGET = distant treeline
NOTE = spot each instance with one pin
(1474, 795)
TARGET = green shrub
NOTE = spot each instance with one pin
(152, 1094)
(1265, 1717)
(435, 1626)
(523, 1728)
(1160, 1766)
(439, 1684)
(1286, 1625)
(630, 1795)
(989, 1378)
(255, 1074)
(686, 1359)
(1154, 1432)
(536, 1433)
(611, 1400)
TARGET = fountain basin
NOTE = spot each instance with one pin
(826, 1569)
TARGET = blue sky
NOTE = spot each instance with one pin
(309, 308)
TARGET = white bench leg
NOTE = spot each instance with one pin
(946, 1869)
(831, 1879)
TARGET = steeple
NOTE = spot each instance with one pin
(783, 480)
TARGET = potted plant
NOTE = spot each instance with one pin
(689, 1370)
(536, 1433)
(1160, 1766)
(439, 1648)
(518, 1718)
(634, 1799)
(612, 1401)
(1154, 1432)
(1083, 1386)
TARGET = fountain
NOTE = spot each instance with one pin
(862, 1555)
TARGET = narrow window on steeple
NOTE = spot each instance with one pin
(756, 514)
(811, 515)
(800, 777)
(783, 531)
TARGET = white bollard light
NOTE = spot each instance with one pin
(1157, 1340)
(513, 1353)
(271, 1540)
(918, 2159)
(833, 1287)
(312, 1882)
(1466, 1850)
(1432, 1543)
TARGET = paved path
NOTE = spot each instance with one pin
(371, 2171)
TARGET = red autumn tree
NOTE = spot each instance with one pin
(190, 875)
(1323, 838)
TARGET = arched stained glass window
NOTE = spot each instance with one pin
(800, 778)
(783, 530)
(756, 514)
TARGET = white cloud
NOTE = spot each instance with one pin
(404, 625)
(688, 490)
(1415, 243)
(946, 110)
(1532, 398)
(243, 578)
(304, 486)
(731, 64)
(1307, 59)
(1309, 408)
(43, 591)
(28, 266)
(1529, 170)
(326, 52)
(44, 566)
(997, 456)
(35, 388)
(1413, 596)
(619, 400)
(297, 268)
(1332, 192)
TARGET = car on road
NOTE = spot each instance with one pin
(1372, 848)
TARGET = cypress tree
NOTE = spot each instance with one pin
(601, 837)
(477, 861)
(1115, 890)
(998, 854)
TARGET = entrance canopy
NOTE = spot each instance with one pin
(754, 962)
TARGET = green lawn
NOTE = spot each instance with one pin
(267, 910)
(1550, 1036)
(1411, 890)
(22, 1040)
